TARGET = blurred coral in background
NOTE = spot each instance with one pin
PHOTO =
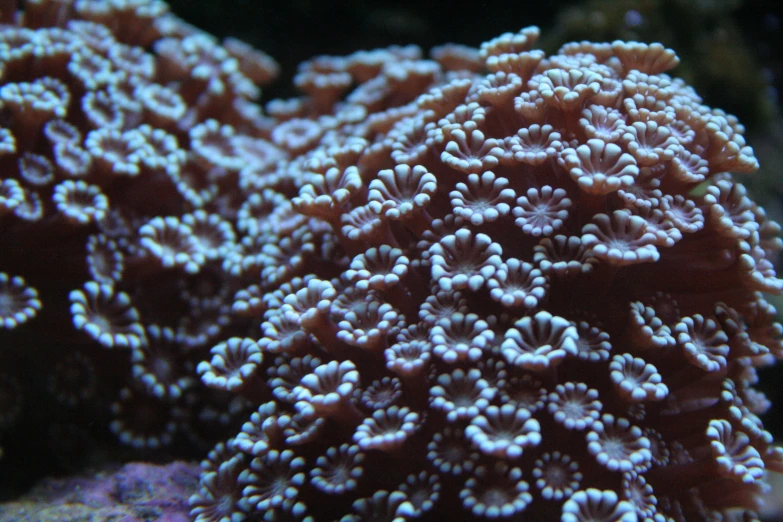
(490, 283)
(119, 200)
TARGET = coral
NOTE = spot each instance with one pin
(489, 284)
(700, 32)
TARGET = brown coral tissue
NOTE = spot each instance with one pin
(487, 284)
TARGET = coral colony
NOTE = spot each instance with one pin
(487, 284)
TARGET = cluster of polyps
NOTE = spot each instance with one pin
(491, 284)
(543, 284)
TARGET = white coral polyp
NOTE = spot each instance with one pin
(504, 431)
(599, 167)
(539, 342)
(464, 260)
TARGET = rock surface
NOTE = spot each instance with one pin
(136, 492)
